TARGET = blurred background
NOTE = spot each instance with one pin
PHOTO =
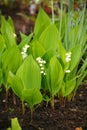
(24, 12)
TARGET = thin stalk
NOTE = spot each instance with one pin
(32, 113)
(6, 100)
(71, 2)
(52, 11)
(62, 101)
(71, 97)
(14, 99)
(52, 105)
(23, 108)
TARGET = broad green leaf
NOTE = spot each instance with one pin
(11, 59)
(62, 89)
(15, 124)
(32, 96)
(75, 56)
(50, 38)
(7, 32)
(16, 84)
(69, 86)
(0, 76)
(2, 44)
(10, 21)
(42, 22)
(48, 55)
(61, 53)
(29, 72)
(37, 49)
(54, 75)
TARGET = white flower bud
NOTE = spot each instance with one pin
(67, 71)
(38, 58)
(68, 56)
(41, 72)
(44, 62)
(44, 73)
(41, 65)
(42, 68)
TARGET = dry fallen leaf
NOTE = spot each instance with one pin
(78, 128)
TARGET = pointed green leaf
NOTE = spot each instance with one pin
(7, 32)
(32, 96)
(75, 56)
(70, 86)
(16, 84)
(15, 124)
(48, 54)
(2, 44)
(50, 38)
(10, 21)
(42, 22)
(11, 59)
(54, 75)
(29, 72)
(37, 49)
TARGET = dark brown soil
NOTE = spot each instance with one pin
(70, 117)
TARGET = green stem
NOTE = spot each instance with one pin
(31, 110)
(6, 100)
(52, 105)
(23, 108)
(62, 101)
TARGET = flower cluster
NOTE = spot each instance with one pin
(41, 63)
(24, 51)
(68, 59)
(68, 56)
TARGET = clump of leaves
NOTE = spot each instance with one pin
(27, 82)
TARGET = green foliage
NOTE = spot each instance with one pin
(53, 58)
(47, 41)
(11, 60)
(16, 85)
(27, 82)
(7, 30)
(24, 40)
(2, 44)
(39, 25)
(14, 124)
(37, 49)
(32, 96)
(54, 76)
(29, 73)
